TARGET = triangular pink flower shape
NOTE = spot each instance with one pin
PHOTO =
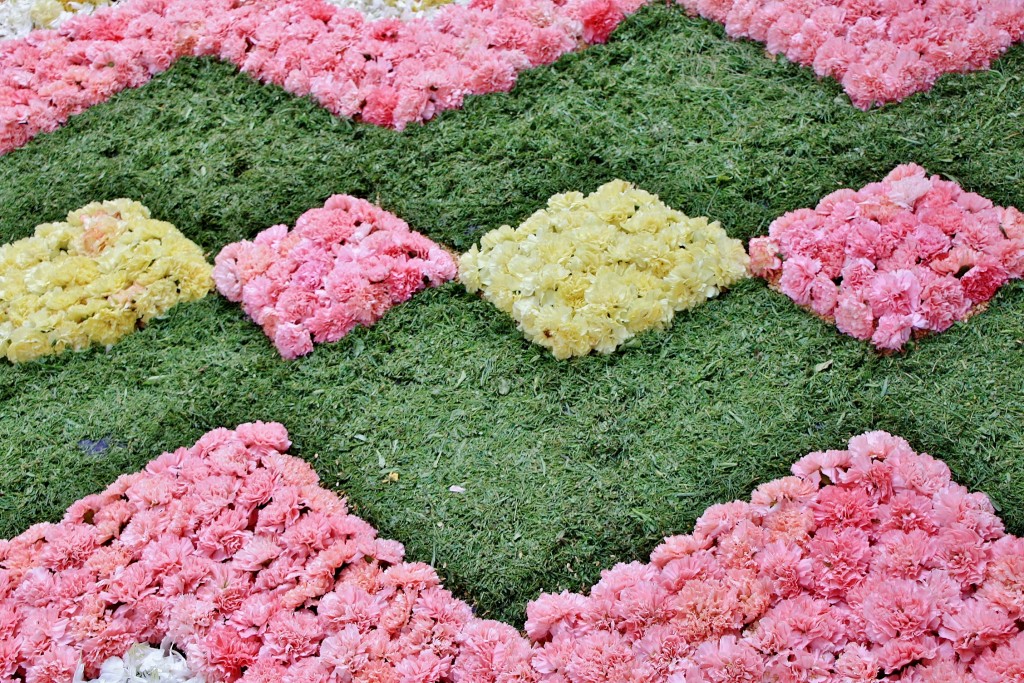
(868, 563)
(343, 265)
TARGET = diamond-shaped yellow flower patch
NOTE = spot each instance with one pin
(93, 279)
(588, 273)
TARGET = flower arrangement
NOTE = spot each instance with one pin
(908, 254)
(233, 551)
(588, 273)
(879, 51)
(93, 279)
(343, 265)
(387, 72)
(868, 563)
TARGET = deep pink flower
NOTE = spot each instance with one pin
(599, 17)
(982, 281)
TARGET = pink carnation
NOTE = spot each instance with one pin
(600, 17)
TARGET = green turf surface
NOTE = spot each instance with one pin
(568, 466)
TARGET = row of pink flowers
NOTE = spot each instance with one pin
(342, 265)
(908, 253)
(386, 72)
(868, 563)
(880, 51)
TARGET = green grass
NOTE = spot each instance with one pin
(568, 467)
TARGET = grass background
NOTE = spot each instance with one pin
(568, 466)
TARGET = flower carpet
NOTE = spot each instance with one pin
(866, 561)
(507, 459)
(588, 273)
(342, 265)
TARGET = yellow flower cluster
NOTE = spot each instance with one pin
(590, 272)
(93, 279)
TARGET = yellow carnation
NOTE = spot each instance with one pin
(588, 273)
(93, 278)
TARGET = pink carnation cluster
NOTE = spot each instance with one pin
(908, 253)
(233, 550)
(868, 563)
(879, 50)
(386, 72)
(343, 265)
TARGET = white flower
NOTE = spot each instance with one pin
(15, 18)
(144, 664)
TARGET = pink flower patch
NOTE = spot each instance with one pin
(247, 565)
(387, 72)
(916, 254)
(342, 265)
(867, 564)
(879, 51)
(842, 595)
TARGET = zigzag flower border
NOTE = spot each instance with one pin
(388, 72)
(869, 563)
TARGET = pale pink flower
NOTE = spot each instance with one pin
(899, 609)
(1005, 664)
(798, 274)
(729, 661)
(853, 315)
(764, 258)
(975, 627)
